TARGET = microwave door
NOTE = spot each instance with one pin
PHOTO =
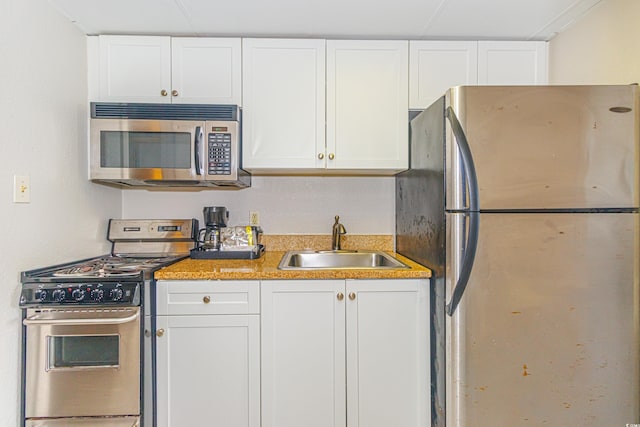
(146, 151)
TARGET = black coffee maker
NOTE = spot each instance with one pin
(215, 218)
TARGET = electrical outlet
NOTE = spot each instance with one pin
(254, 218)
(21, 189)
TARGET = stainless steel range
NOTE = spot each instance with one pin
(84, 328)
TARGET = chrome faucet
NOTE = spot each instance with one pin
(338, 230)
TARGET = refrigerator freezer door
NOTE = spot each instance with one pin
(547, 330)
(547, 147)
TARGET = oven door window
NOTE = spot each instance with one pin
(132, 149)
(83, 351)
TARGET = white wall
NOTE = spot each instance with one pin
(287, 205)
(43, 112)
(602, 48)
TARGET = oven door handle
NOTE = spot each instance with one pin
(34, 320)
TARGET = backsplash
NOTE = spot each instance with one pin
(287, 205)
(318, 242)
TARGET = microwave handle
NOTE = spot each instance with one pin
(197, 144)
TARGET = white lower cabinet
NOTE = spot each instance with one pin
(208, 353)
(345, 353)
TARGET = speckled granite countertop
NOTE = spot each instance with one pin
(266, 268)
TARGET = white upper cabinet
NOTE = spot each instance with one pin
(367, 105)
(168, 70)
(435, 66)
(512, 63)
(206, 70)
(134, 68)
(285, 96)
(284, 104)
(310, 106)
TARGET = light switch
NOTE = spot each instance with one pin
(21, 189)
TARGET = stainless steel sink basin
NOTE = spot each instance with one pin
(338, 260)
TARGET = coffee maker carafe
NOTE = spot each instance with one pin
(215, 218)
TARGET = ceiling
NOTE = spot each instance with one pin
(374, 19)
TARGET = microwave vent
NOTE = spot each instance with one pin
(145, 111)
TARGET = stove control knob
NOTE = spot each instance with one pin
(97, 294)
(78, 294)
(117, 294)
(58, 295)
(40, 295)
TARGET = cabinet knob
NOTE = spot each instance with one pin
(160, 332)
(340, 296)
(163, 92)
(352, 296)
(321, 156)
(206, 299)
(174, 92)
(331, 156)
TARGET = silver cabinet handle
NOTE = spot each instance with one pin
(206, 299)
(174, 92)
(340, 296)
(163, 92)
(352, 296)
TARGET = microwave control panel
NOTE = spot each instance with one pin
(219, 153)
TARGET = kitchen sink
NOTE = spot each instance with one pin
(338, 260)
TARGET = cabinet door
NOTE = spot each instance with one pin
(135, 69)
(512, 63)
(367, 105)
(303, 345)
(387, 353)
(284, 104)
(206, 70)
(208, 371)
(435, 66)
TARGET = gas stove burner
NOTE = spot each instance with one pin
(116, 266)
(82, 272)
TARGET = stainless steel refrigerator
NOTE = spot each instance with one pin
(524, 202)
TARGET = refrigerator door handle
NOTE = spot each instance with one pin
(472, 212)
(467, 160)
(467, 262)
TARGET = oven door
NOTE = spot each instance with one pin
(146, 150)
(82, 362)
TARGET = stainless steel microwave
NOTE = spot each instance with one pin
(166, 145)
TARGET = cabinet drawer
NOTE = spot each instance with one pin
(207, 297)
